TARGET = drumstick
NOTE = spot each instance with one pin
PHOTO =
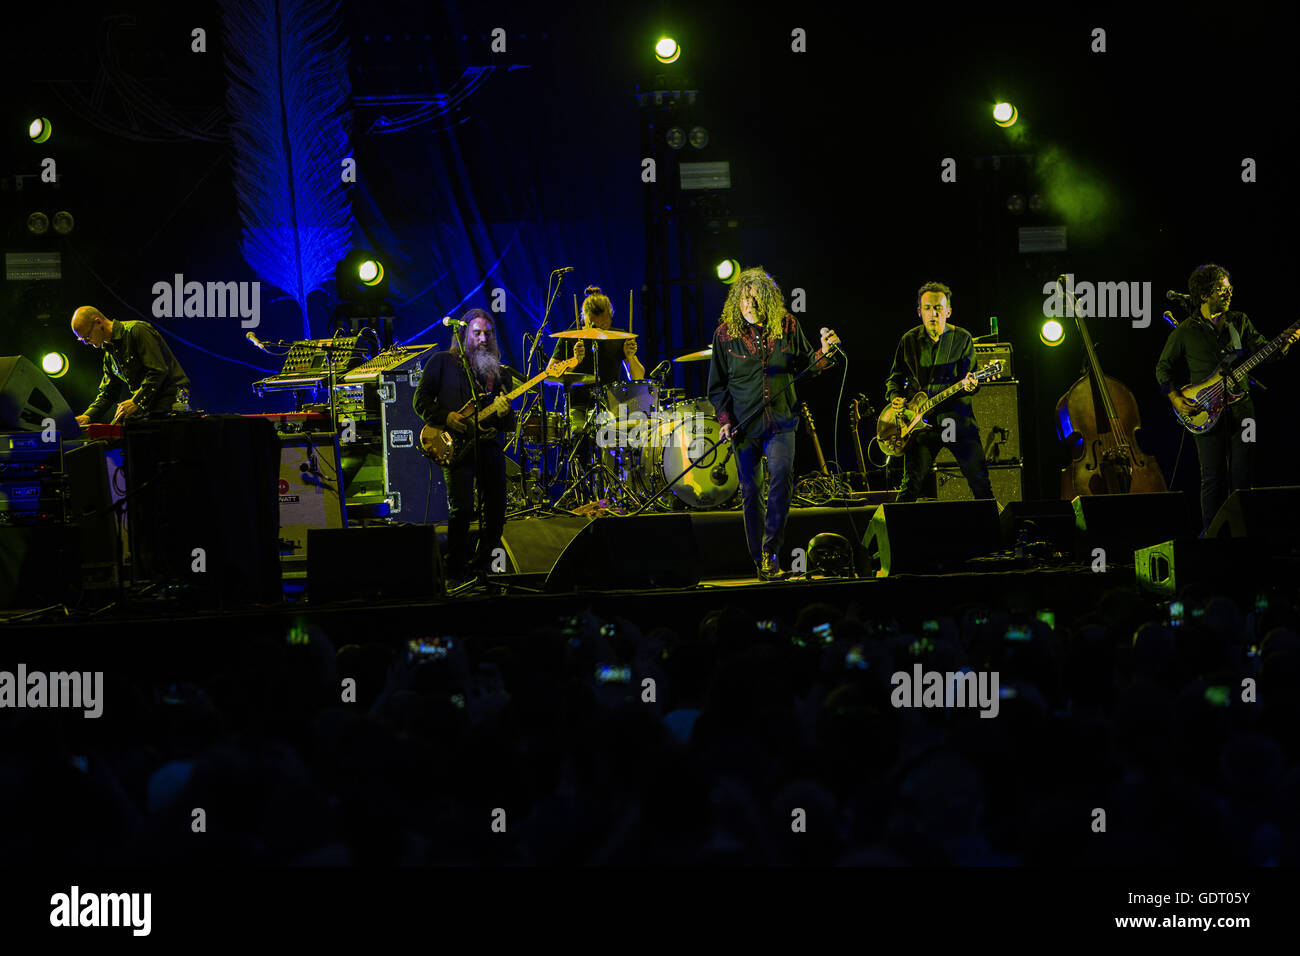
(629, 310)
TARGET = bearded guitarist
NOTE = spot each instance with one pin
(1211, 337)
(931, 357)
(442, 392)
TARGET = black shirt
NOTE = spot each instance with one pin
(445, 388)
(924, 365)
(746, 371)
(1196, 349)
(138, 355)
(611, 360)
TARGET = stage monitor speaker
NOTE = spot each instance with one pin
(1050, 520)
(1235, 566)
(28, 397)
(648, 551)
(309, 490)
(929, 536)
(379, 563)
(1121, 524)
(1007, 482)
(997, 413)
(1259, 513)
(204, 508)
(535, 544)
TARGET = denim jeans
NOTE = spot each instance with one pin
(1222, 453)
(765, 528)
(460, 503)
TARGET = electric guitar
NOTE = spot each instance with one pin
(817, 445)
(1225, 387)
(448, 447)
(895, 426)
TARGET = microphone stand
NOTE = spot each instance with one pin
(528, 373)
(473, 430)
(695, 462)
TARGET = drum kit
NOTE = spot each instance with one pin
(624, 442)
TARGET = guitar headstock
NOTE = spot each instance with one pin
(556, 367)
(990, 372)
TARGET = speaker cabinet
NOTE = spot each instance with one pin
(997, 413)
(204, 509)
(535, 544)
(930, 536)
(951, 484)
(28, 397)
(1121, 524)
(648, 551)
(1259, 513)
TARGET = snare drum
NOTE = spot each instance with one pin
(685, 432)
(531, 433)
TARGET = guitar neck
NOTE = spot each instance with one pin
(938, 399)
(1266, 352)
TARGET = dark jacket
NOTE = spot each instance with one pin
(445, 388)
(138, 355)
(923, 365)
(746, 371)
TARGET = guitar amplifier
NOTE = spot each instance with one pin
(992, 352)
(413, 484)
(308, 490)
(1007, 482)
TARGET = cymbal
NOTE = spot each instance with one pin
(571, 378)
(596, 334)
(699, 356)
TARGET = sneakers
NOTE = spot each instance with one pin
(769, 569)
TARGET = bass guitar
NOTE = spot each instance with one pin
(895, 426)
(448, 447)
(1226, 387)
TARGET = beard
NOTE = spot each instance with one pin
(485, 360)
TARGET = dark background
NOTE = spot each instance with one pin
(835, 158)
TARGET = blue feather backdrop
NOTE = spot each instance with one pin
(290, 125)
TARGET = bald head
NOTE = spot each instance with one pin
(91, 326)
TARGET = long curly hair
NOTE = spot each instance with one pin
(1203, 280)
(771, 303)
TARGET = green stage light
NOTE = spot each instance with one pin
(55, 364)
(728, 269)
(667, 50)
(1005, 114)
(1052, 333)
(40, 129)
(370, 272)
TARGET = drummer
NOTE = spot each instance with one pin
(618, 361)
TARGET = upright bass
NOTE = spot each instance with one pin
(1098, 420)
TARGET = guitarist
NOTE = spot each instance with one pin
(442, 392)
(1210, 337)
(931, 357)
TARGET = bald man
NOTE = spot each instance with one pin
(135, 353)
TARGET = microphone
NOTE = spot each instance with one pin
(564, 270)
(1177, 296)
(454, 323)
(1169, 317)
(836, 347)
(252, 337)
(664, 366)
(719, 472)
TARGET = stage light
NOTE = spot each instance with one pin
(728, 269)
(370, 272)
(1004, 114)
(55, 364)
(38, 224)
(1052, 333)
(63, 223)
(40, 129)
(676, 137)
(1036, 203)
(667, 50)
(699, 137)
(1015, 204)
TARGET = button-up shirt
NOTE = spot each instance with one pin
(922, 364)
(1197, 349)
(138, 355)
(751, 369)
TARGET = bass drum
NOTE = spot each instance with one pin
(686, 431)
